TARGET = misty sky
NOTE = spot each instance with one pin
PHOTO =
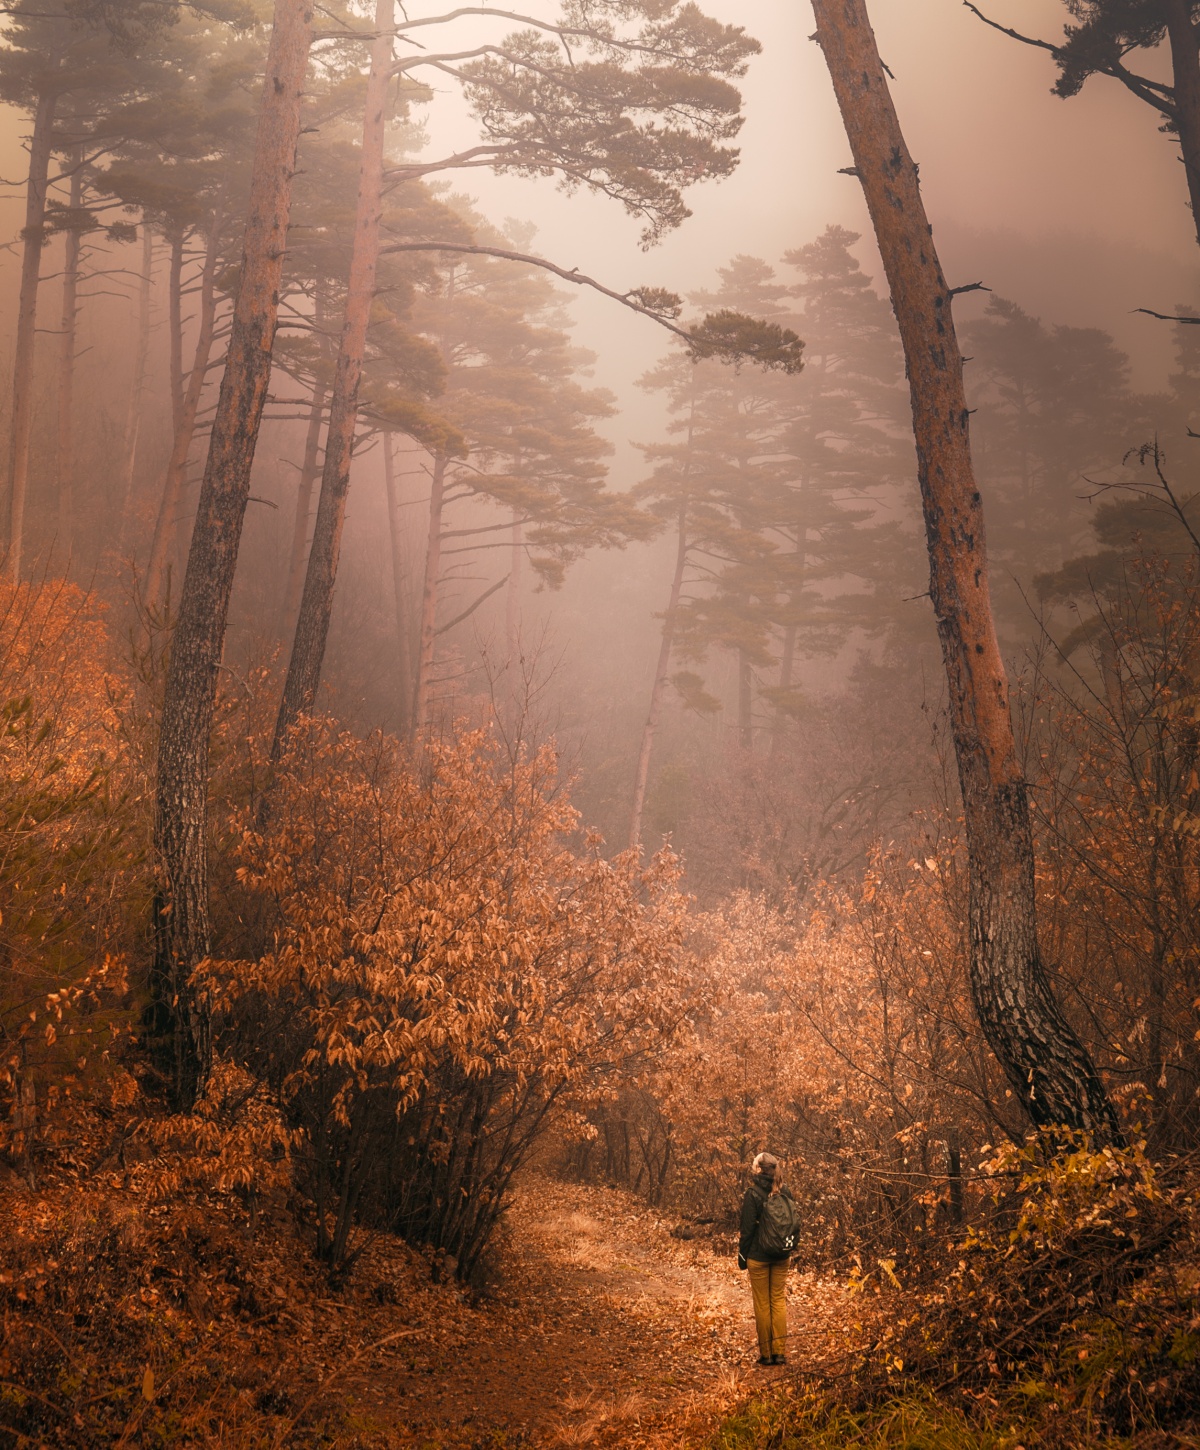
(1074, 208)
(1004, 165)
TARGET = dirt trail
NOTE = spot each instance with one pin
(603, 1321)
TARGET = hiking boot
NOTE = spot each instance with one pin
(777, 1359)
(764, 1360)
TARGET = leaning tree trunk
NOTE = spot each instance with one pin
(399, 593)
(1185, 74)
(659, 687)
(316, 603)
(1047, 1065)
(182, 787)
(66, 366)
(185, 419)
(33, 237)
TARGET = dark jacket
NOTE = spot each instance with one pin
(752, 1207)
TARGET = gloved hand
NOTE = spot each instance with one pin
(741, 1261)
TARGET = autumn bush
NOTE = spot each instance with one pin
(441, 973)
(72, 853)
(843, 1038)
(1115, 755)
(157, 1290)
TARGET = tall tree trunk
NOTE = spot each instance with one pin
(429, 594)
(175, 330)
(66, 367)
(310, 471)
(512, 614)
(34, 238)
(133, 416)
(745, 702)
(658, 688)
(316, 603)
(185, 422)
(396, 543)
(182, 786)
(787, 673)
(1045, 1062)
(1185, 74)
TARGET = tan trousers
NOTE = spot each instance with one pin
(768, 1285)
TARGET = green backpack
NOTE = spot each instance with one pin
(778, 1227)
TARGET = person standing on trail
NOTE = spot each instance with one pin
(769, 1230)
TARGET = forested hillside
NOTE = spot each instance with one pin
(449, 832)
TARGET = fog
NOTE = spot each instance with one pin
(1074, 210)
(535, 769)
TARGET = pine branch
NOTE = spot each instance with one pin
(782, 351)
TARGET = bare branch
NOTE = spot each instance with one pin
(1165, 316)
(573, 275)
(458, 618)
(1014, 34)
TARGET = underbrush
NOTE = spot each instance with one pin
(1081, 1294)
(1068, 1317)
(144, 1303)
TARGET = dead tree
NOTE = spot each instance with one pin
(182, 786)
(1046, 1063)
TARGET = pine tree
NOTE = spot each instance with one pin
(54, 54)
(529, 451)
(1107, 34)
(721, 488)
(181, 156)
(850, 552)
(1056, 415)
(181, 817)
(1047, 1065)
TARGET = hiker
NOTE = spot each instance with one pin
(770, 1227)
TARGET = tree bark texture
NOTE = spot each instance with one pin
(133, 417)
(66, 369)
(429, 594)
(1185, 75)
(1045, 1062)
(33, 238)
(316, 602)
(182, 786)
(659, 687)
(185, 420)
(399, 596)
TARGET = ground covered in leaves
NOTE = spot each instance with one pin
(603, 1323)
(138, 1311)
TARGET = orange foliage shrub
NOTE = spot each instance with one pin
(70, 851)
(844, 1042)
(443, 973)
